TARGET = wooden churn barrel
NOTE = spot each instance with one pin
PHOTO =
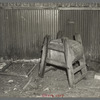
(75, 49)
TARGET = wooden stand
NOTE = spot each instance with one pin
(68, 56)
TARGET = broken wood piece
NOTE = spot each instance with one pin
(46, 89)
(97, 76)
(10, 74)
(32, 69)
(2, 65)
(27, 61)
(27, 84)
(10, 81)
(6, 66)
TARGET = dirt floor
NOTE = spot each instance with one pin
(54, 84)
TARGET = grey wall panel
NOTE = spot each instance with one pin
(86, 22)
(22, 31)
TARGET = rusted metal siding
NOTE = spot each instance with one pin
(22, 31)
(86, 22)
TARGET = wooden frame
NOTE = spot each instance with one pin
(68, 65)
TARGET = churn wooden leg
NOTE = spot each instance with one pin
(83, 61)
(43, 58)
(84, 69)
(68, 61)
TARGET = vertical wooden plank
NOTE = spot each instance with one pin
(68, 60)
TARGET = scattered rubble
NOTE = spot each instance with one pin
(46, 89)
(2, 65)
(34, 85)
(15, 89)
(54, 82)
(97, 76)
(5, 92)
(10, 81)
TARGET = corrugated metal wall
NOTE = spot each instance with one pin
(87, 23)
(22, 31)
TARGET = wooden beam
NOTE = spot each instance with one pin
(80, 78)
(56, 47)
(57, 63)
(79, 68)
(13, 74)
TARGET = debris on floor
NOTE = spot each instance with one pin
(22, 69)
(10, 81)
(1, 59)
(2, 65)
(46, 89)
(27, 61)
(27, 83)
(97, 76)
(54, 83)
